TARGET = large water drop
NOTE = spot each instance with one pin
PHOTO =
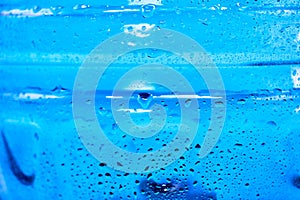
(144, 99)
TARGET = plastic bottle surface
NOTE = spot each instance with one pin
(149, 99)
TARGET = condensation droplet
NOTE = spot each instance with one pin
(271, 123)
(144, 99)
(187, 102)
(103, 112)
(148, 10)
(219, 104)
(241, 101)
(37, 9)
(294, 73)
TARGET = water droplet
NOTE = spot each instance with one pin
(161, 188)
(148, 10)
(241, 101)
(271, 123)
(277, 91)
(296, 182)
(130, 28)
(103, 112)
(37, 9)
(88, 101)
(80, 6)
(155, 53)
(294, 73)
(187, 103)
(145, 99)
(219, 104)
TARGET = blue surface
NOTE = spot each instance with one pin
(255, 46)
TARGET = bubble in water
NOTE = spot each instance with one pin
(148, 10)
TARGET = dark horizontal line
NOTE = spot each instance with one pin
(78, 64)
(269, 63)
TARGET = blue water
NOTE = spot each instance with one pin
(255, 48)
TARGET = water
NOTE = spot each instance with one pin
(258, 149)
(45, 156)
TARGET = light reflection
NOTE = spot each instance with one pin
(187, 97)
(3, 187)
(114, 97)
(139, 85)
(145, 2)
(135, 110)
(121, 10)
(27, 12)
(32, 96)
(22, 120)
